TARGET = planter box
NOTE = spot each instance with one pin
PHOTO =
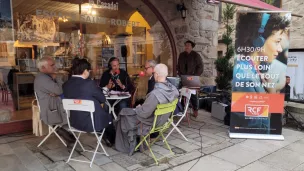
(218, 110)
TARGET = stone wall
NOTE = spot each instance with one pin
(200, 26)
(297, 24)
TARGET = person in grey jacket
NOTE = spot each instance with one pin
(128, 120)
(48, 87)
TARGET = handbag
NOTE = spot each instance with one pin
(53, 113)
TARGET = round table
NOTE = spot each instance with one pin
(118, 99)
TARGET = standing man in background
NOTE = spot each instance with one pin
(190, 63)
(286, 89)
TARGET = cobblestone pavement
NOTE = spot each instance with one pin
(209, 148)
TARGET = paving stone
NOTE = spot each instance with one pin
(5, 150)
(53, 143)
(299, 168)
(208, 163)
(191, 136)
(187, 146)
(135, 167)
(59, 154)
(109, 150)
(205, 141)
(141, 156)
(178, 151)
(185, 158)
(112, 167)
(297, 146)
(11, 163)
(260, 145)
(236, 141)
(33, 146)
(292, 135)
(240, 155)
(43, 159)
(260, 166)
(176, 141)
(214, 136)
(100, 159)
(216, 147)
(59, 166)
(80, 166)
(156, 168)
(124, 160)
(30, 161)
(160, 150)
(284, 158)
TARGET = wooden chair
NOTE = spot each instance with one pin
(5, 92)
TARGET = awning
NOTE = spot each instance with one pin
(256, 4)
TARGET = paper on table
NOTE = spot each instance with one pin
(117, 92)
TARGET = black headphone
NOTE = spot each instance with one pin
(110, 61)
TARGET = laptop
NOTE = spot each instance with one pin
(191, 81)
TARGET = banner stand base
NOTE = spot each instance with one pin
(256, 136)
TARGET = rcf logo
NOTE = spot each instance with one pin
(189, 78)
(256, 110)
(77, 101)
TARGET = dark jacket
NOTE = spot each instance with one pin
(124, 78)
(286, 90)
(190, 64)
(79, 88)
(151, 84)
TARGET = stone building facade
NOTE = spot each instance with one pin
(297, 23)
(200, 26)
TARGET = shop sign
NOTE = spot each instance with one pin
(109, 21)
(89, 18)
(104, 5)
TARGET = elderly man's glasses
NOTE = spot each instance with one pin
(146, 68)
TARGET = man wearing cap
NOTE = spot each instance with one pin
(190, 63)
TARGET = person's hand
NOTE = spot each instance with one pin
(53, 95)
(110, 84)
(120, 84)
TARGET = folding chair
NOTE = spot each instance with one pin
(185, 95)
(52, 129)
(161, 109)
(86, 106)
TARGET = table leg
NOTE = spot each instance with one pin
(114, 104)
(111, 108)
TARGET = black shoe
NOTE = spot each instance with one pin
(67, 136)
(106, 140)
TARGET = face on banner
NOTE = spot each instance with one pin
(259, 76)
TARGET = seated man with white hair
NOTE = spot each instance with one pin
(128, 120)
(48, 87)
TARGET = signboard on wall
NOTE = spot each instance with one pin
(295, 71)
(258, 76)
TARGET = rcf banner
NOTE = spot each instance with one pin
(259, 75)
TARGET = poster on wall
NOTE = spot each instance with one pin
(259, 75)
(295, 72)
(6, 24)
(32, 28)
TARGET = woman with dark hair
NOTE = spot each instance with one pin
(264, 34)
(258, 44)
(80, 87)
(118, 80)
